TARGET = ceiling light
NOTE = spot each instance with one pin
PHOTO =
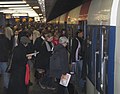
(40, 14)
(20, 8)
(41, 17)
(42, 5)
(35, 7)
(14, 5)
(13, 2)
(30, 12)
(19, 14)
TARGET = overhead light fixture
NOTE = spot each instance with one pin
(30, 12)
(40, 14)
(19, 14)
(41, 0)
(42, 5)
(42, 17)
(20, 8)
(12, 2)
(14, 5)
(35, 7)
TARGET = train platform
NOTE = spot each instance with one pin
(36, 89)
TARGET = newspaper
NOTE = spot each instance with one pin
(32, 54)
(64, 81)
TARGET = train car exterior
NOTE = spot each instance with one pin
(102, 33)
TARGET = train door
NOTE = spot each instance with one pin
(97, 56)
(101, 59)
(89, 58)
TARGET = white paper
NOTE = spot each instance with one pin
(66, 80)
(32, 54)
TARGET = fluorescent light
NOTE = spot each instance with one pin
(20, 14)
(42, 17)
(40, 14)
(12, 2)
(35, 7)
(32, 14)
(16, 11)
(42, 5)
(14, 5)
(20, 8)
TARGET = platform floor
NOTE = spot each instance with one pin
(34, 89)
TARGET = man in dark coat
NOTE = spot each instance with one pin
(77, 55)
(17, 80)
(59, 65)
(43, 59)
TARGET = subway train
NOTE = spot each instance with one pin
(100, 21)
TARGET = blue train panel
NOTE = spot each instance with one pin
(100, 57)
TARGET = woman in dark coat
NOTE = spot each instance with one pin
(17, 80)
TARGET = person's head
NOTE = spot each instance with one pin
(16, 32)
(29, 34)
(24, 40)
(7, 25)
(79, 33)
(49, 36)
(63, 40)
(57, 35)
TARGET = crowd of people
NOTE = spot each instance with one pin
(46, 48)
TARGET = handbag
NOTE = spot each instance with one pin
(8, 69)
(27, 74)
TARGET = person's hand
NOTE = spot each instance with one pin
(29, 56)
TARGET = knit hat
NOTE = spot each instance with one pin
(63, 40)
(25, 40)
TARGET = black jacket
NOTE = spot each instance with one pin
(75, 54)
(4, 48)
(17, 79)
(42, 59)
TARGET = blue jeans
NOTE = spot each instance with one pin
(76, 77)
(3, 66)
(77, 68)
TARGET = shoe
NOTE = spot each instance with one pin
(51, 88)
(42, 86)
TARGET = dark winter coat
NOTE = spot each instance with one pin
(59, 61)
(75, 46)
(4, 48)
(38, 43)
(43, 58)
(17, 79)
